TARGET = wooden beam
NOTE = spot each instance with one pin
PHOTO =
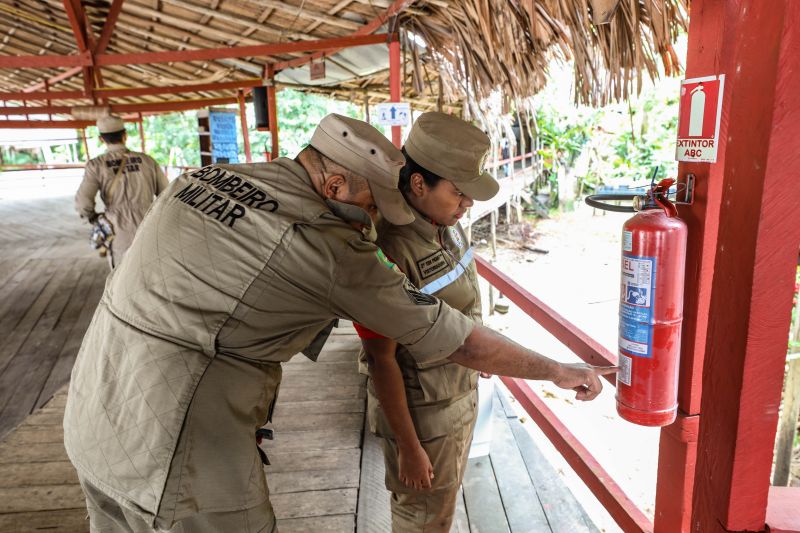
(165, 107)
(45, 124)
(82, 59)
(76, 23)
(138, 30)
(272, 111)
(170, 22)
(395, 86)
(332, 11)
(82, 33)
(395, 8)
(756, 264)
(85, 58)
(237, 51)
(281, 33)
(304, 12)
(142, 91)
(160, 107)
(58, 78)
(243, 121)
(108, 27)
(141, 132)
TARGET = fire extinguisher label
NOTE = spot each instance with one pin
(627, 241)
(636, 310)
(624, 374)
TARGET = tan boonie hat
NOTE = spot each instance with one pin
(363, 150)
(110, 124)
(454, 150)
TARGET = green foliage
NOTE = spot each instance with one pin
(617, 143)
(561, 137)
(649, 140)
(12, 156)
(176, 133)
(298, 116)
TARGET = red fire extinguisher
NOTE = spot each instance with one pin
(650, 309)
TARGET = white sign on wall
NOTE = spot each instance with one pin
(394, 114)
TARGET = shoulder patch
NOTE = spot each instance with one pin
(434, 263)
(418, 297)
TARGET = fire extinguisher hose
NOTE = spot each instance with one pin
(596, 200)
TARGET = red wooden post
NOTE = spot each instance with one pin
(709, 36)
(245, 134)
(48, 102)
(141, 132)
(272, 110)
(755, 264)
(394, 84)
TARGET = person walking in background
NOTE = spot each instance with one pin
(128, 183)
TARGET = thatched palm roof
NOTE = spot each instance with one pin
(474, 46)
(481, 45)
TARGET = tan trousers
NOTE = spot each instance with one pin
(432, 511)
(107, 516)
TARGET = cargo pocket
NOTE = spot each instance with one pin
(430, 421)
(447, 381)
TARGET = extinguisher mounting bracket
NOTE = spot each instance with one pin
(687, 190)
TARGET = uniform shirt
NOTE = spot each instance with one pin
(234, 269)
(138, 184)
(438, 260)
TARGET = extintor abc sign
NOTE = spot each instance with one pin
(699, 117)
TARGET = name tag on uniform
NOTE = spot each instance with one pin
(432, 264)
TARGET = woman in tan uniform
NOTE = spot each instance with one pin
(426, 452)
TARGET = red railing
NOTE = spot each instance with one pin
(621, 508)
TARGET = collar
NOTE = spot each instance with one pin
(424, 226)
(345, 212)
(116, 147)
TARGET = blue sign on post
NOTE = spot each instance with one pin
(224, 148)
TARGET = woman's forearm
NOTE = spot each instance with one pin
(387, 380)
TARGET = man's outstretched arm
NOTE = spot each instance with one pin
(492, 352)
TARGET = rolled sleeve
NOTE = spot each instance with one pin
(370, 290)
(445, 336)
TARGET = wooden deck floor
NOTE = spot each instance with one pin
(316, 454)
(326, 473)
(50, 283)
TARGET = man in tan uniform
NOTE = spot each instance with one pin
(235, 269)
(128, 182)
